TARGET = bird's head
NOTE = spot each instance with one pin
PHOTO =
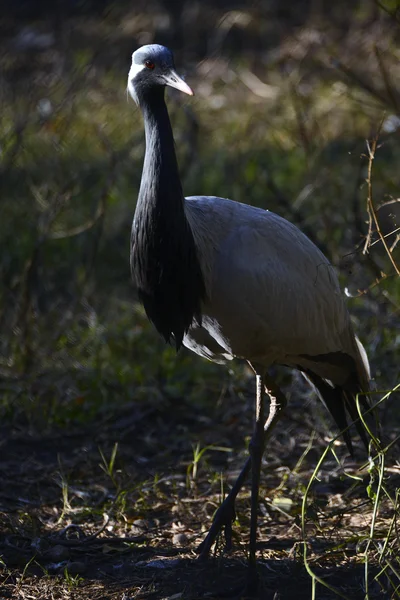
(153, 67)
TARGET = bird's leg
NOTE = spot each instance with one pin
(225, 514)
(257, 445)
(256, 450)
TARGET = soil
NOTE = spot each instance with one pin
(76, 524)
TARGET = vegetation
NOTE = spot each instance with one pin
(115, 451)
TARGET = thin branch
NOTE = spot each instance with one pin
(373, 218)
(387, 235)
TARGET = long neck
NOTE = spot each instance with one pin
(164, 259)
(161, 183)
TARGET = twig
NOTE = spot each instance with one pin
(373, 218)
(80, 540)
(388, 235)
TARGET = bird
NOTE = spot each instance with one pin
(232, 281)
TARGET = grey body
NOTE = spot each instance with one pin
(272, 296)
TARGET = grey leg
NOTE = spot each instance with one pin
(256, 450)
(257, 445)
(225, 515)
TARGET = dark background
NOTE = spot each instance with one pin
(287, 95)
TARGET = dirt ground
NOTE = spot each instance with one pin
(81, 517)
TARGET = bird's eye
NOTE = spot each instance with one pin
(149, 64)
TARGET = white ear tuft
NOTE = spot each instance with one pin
(134, 70)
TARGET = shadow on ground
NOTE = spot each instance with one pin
(83, 517)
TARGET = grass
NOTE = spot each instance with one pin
(115, 445)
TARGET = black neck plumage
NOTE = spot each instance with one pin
(164, 258)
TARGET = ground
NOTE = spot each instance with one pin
(115, 508)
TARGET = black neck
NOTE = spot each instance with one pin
(164, 258)
(160, 178)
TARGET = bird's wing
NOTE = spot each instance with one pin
(274, 297)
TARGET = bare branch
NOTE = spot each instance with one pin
(373, 218)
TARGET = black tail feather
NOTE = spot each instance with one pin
(338, 400)
(349, 399)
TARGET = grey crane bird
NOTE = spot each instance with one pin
(228, 280)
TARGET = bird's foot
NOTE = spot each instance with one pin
(223, 519)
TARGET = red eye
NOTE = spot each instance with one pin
(149, 64)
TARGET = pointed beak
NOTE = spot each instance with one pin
(173, 80)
